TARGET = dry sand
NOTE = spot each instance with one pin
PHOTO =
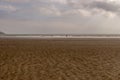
(59, 59)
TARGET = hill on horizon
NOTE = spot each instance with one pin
(2, 33)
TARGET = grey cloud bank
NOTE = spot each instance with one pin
(60, 16)
(62, 7)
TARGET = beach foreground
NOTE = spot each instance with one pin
(59, 59)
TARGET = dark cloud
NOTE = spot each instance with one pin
(107, 6)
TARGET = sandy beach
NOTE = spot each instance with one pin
(59, 59)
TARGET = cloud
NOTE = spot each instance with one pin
(96, 7)
(52, 10)
(107, 6)
(85, 8)
(15, 1)
(77, 12)
(58, 1)
(7, 8)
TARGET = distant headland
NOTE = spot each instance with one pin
(2, 33)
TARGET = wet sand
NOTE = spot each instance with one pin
(59, 59)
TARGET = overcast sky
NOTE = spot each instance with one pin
(60, 16)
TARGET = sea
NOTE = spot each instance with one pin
(60, 36)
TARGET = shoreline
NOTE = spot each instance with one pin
(62, 37)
